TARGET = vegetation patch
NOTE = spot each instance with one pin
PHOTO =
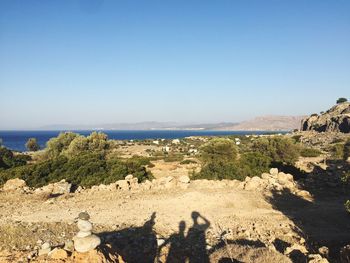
(310, 152)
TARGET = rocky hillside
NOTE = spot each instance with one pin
(336, 119)
(269, 123)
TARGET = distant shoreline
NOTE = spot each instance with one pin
(16, 139)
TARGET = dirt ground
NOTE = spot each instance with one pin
(252, 224)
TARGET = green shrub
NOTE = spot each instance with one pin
(253, 164)
(347, 206)
(188, 161)
(173, 158)
(32, 145)
(219, 150)
(310, 152)
(95, 142)
(9, 160)
(345, 178)
(72, 144)
(55, 146)
(297, 138)
(283, 150)
(86, 169)
(346, 150)
(341, 100)
(337, 151)
(219, 171)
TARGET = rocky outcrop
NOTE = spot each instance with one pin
(336, 119)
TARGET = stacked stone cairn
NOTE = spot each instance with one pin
(85, 241)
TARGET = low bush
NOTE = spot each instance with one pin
(86, 170)
(279, 149)
(253, 164)
(297, 138)
(347, 206)
(310, 152)
(173, 158)
(346, 150)
(9, 160)
(219, 171)
(337, 151)
(219, 150)
(71, 144)
(188, 161)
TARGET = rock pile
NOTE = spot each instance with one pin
(275, 181)
(61, 187)
(85, 241)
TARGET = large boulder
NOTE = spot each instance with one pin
(14, 184)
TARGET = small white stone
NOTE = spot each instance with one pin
(129, 177)
(84, 225)
(85, 244)
(184, 179)
(84, 233)
(273, 171)
(46, 245)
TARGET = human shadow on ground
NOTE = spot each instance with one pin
(322, 221)
(134, 244)
(140, 244)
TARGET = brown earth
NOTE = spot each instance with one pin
(248, 226)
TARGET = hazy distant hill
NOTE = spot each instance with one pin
(269, 123)
(264, 123)
(150, 125)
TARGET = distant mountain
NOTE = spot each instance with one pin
(269, 123)
(264, 123)
(151, 125)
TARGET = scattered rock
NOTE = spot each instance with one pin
(253, 183)
(274, 171)
(129, 177)
(324, 251)
(97, 256)
(184, 179)
(58, 254)
(316, 258)
(45, 249)
(61, 187)
(69, 246)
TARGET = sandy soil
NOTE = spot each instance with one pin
(247, 217)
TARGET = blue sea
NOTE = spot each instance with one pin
(15, 140)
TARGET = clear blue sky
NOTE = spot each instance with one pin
(88, 62)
